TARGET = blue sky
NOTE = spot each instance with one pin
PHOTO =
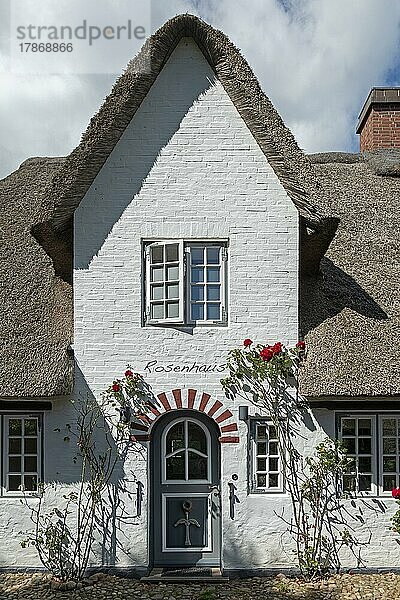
(315, 59)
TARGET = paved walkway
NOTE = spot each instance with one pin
(344, 587)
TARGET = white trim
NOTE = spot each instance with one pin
(208, 547)
(223, 265)
(374, 475)
(185, 420)
(253, 489)
(184, 317)
(180, 281)
(5, 418)
(380, 436)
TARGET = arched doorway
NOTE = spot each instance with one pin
(185, 490)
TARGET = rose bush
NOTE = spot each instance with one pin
(130, 395)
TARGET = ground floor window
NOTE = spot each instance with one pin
(389, 452)
(266, 469)
(373, 442)
(21, 453)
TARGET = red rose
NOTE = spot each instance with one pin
(128, 373)
(301, 345)
(267, 353)
(116, 387)
(396, 493)
(247, 342)
(277, 348)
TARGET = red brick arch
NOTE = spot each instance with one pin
(188, 399)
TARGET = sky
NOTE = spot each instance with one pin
(315, 59)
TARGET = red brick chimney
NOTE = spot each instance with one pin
(379, 120)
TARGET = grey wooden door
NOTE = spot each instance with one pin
(185, 504)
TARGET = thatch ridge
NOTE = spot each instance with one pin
(106, 127)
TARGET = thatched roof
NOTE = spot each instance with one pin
(351, 313)
(36, 305)
(275, 140)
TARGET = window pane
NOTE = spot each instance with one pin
(214, 292)
(157, 273)
(349, 426)
(272, 432)
(261, 481)
(261, 432)
(364, 427)
(157, 254)
(197, 274)
(197, 438)
(14, 464)
(14, 445)
(176, 467)
(197, 256)
(197, 293)
(389, 482)
(273, 480)
(157, 292)
(364, 484)
(30, 483)
(213, 256)
(157, 311)
(14, 483)
(273, 464)
(175, 438)
(213, 274)
(172, 273)
(389, 464)
(30, 427)
(261, 448)
(30, 445)
(213, 312)
(30, 464)
(173, 310)
(197, 312)
(261, 464)
(15, 427)
(364, 446)
(350, 445)
(389, 427)
(172, 251)
(197, 466)
(349, 483)
(173, 291)
(389, 445)
(273, 448)
(364, 464)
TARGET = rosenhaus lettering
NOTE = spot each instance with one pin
(154, 366)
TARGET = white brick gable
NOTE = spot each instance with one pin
(186, 167)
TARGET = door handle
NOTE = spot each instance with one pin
(214, 489)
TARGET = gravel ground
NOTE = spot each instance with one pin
(343, 587)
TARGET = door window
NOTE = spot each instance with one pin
(186, 451)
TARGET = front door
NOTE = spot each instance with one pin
(186, 512)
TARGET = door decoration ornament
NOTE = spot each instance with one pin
(186, 522)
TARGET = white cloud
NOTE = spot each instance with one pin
(315, 59)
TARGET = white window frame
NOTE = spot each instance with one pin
(381, 417)
(374, 474)
(181, 266)
(5, 418)
(184, 317)
(254, 489)
(186, 449)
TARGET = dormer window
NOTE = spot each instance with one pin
(185, 283)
